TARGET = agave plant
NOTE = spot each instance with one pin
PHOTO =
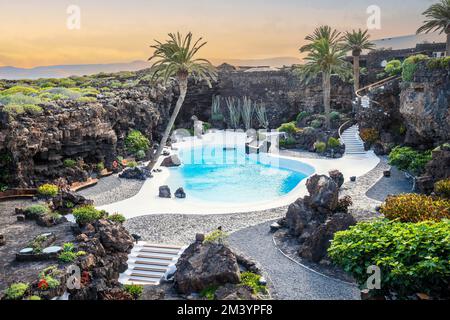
(261, 115)
(438, 19)
(175, 58)
(234, 105)
(356, 42)
(216, 112)
(247, 112)
(325, 58)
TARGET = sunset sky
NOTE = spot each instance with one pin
(34, 32)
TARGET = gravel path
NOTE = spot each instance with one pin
(181, 229)
(112, 189)
(289, 280)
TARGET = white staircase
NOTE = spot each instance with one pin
(352, 140)
(149, 263)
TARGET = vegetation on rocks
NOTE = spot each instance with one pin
(134, 290)
(136, 142)
(252, 280)
(408, 159)
(117, 217)
(415, 208)
(48, 190)
(16, 291)
(413, 257)
(87, 214)
(442, 188)
(217, 236)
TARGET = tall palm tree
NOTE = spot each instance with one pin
(323, 32)
(325, 58)
(175, 58)
(356, 42)
(438, 19)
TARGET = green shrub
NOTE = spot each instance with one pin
(140, 154)
(333, 143)
(32, 109)
(302, 115)
(316, 124)
(217, 236)
(36, 211)
(67, 254)
(439, 63)
(87, 214)
(132, 164)
(393, 68)
(335, 116)
(81, 253)
(136, 141)
(69, 163)
(415, 207)
(413, 257)
(117, 217)
(442, 188)
(19, 99)
(48, 190)
(410, 65)
(134, 289)
(86, 99)
(320, 147)
(34, 298)
(51, 282)
(206, 126)
(16, 291)
(287, 142)
(28, 91)
(289, 128)
(251, 280)
(209, 292)
(100, 167)
(408, 159)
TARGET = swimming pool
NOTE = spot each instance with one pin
(214, 173)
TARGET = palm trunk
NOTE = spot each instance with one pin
(183, 84)
(448, 44)
(326, 80)
(356, 70)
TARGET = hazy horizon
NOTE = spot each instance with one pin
(35, 33)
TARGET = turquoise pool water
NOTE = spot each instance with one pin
(218, 175)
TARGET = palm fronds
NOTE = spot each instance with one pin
(437, 18)
(323, 32)
(176, 58)
(357, 41)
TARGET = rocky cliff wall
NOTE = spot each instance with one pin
(425, 106)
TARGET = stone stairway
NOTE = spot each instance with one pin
(149, 263)
(352, 140)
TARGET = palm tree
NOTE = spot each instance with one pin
(323, 32)
(325, 58)
(438, 19)
(176, 58)
(356, 42)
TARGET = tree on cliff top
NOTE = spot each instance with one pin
(175, 58)
(326, 57)
(356, 42)
(438, 19)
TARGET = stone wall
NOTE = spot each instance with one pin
(425, 106)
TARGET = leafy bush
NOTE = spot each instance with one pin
(32, 109)
(100, 167)
(251, 280)
(302, 115)
(289, 128)
(439, 63)
(86, 99)
(140, 154)
(413, 257)
(369, 135)
(86, 214)
(393, 68)
(28, 91)
(316, 124)
(320, 147)
(217, 236)
(287, 142)
(132, 164)
(410, 65)
(117, 217)
(36, 211)
(34, 298)
(408, 159)
(68, 254)
(335, 116)
(136, 141)
(69, 163)
(206, 126)
(51, 282)
(415, 207)
(333, 143)
(134, 289)
(209, 292)
(19, 99)
(442, 188)
(16, 291)
(48, 190)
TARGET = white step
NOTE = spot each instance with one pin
(148, 263)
